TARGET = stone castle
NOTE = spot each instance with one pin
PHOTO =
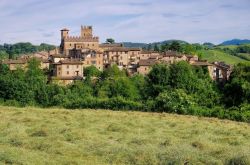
(75, 53)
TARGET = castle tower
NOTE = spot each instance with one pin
(64, 33)
(86, 32)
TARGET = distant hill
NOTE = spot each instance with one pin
(134, 44)
(236, 42)
(143, 45)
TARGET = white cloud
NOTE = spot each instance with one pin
(39, 21)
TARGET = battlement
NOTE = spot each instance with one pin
(86, 31)
(86, 27)
(81, 39)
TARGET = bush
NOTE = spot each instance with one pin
(176, 101)
(116, 103)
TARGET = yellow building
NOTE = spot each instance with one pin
(85, 41)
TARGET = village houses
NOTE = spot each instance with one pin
(67, 62)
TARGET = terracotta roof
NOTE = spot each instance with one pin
(81, 39)
(19, 61)
(59, 56)
(147, 62)
(201, 63)
(148, 52)
(70, 61)
(123, 49)
(68, 78)
(110, 45)
(222, 65)
(189, 56)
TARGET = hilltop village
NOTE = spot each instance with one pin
(67, 62)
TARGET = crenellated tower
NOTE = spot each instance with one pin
(86, 32)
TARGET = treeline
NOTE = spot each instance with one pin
(13, 50)
(178, 46)
(175, 88)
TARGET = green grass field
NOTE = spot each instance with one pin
(58, 136)
(215, 55)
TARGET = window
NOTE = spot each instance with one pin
(93, 62)
(67, 66)
(59, 73)
(77, 66)
(93, 45)
(68, 72)
(145, 68)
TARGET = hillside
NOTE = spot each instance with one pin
(236, 42)
(57, 136)
(216, 55)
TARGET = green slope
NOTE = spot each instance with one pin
(216, 55)
(58, 136)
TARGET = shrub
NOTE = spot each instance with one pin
(174, 101)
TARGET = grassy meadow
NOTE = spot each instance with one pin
(58, 136)
(216, 55)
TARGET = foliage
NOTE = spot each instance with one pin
(13, 50)
(110, 40)
(237, 90)
(175, 88)
(174, 101)
(157, 80)
(91, 71)
(113, 71)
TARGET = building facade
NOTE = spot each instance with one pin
(67, 62)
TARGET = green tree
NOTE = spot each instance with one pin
(35, 76)
(110, 40)
(188, 49)
(174, 101)
(156, 48)
(112, 72)
(237, 90)
(140, 83)
(182, 76)
(91, 71)
(118, 86)
(175, 46)
(157, 80)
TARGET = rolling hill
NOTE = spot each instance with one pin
(58, 136)
(216, 55)
(236, 42)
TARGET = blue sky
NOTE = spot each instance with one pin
(194, 21)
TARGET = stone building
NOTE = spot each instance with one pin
(144, 65)
(221, 71)
(22, 63)
(85, 41)
(66, 71)
(67, 62)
